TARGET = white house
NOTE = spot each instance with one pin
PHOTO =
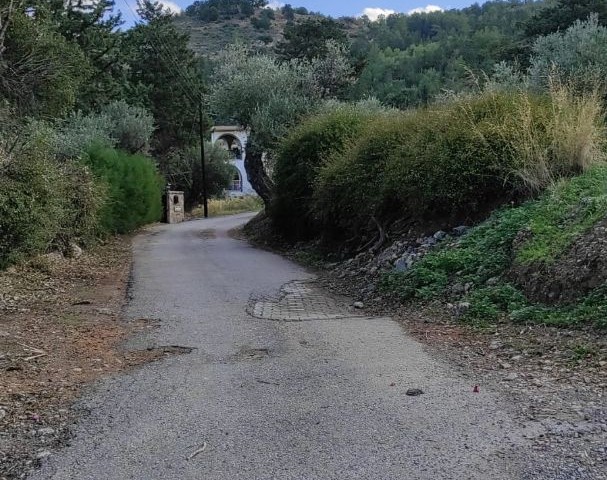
(234, 140)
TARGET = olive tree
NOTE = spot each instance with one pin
(576, 57)
(268, 97)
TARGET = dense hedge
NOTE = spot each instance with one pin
(134, 189)
(444, 162)
(299, 159)
(44, 204)
(343, 172)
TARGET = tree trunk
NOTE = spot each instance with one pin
(5, 19)
(256, 172)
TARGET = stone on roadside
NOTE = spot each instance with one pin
(440, 235)
(511, 377)
(358, 305)
(414, 392)
(460, 230)
(43, 455)
(74, 251)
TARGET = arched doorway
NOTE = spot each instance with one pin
(232, 145)
(236, 184)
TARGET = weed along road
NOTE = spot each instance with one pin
(282, 382)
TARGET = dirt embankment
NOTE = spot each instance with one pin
(581, 269)
(60, 328)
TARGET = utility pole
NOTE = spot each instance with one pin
(205, 202)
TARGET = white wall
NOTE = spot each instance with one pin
(242, 137)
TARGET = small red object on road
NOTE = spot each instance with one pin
(475, 389)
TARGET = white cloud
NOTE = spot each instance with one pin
(169, 6)
(426, 9)
(373, 14)
(274, 5)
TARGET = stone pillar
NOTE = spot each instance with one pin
(175, 207)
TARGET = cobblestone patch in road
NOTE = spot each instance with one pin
(298, 301)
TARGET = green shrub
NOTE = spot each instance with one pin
(117, 125)
(31, 205)
(576, 57)
(457, 159)
(130, 127)
(182, 169)
(78, 132)
(134, 188)
(299, 158)
(44, 203)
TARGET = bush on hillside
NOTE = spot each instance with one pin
(301, 155)
(134, 188)
(44, 204)
(576, 57)
(130, 127)
(31, 207)
(456, 160)
(117, 125)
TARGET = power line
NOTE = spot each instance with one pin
(167, 54)
(186, 81)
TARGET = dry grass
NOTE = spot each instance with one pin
(571, 140)
(230, 206)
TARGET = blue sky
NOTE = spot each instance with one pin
(333, 8)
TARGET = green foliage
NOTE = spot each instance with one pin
(308, 39)
(407, 60)
(131, 128)
(442, 161)
(165, 80)
(91, 26)
(455, 159)
(182, 169)
(118, 125)
(560, 15)
(550, 225)
(576, 57)
(264, 21)
(301, 155)
(40, 71)
(78, 132)
(213, 10)
(31, 207)
(567, 211)
(44, 203)
(134, 189)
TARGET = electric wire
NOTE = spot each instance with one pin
(172, 60)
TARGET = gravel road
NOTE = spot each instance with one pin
(283, 382)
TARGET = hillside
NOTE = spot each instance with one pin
(262, 30)
(402, 60)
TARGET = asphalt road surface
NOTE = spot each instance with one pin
(283, 382)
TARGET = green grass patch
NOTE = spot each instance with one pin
(567, 211)
(537, 231)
